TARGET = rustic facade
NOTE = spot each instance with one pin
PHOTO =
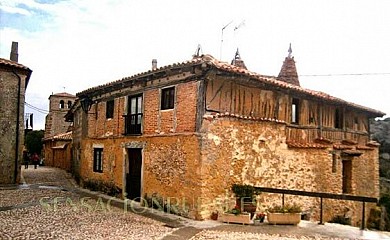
(58, 151)
(14, 78)
(188, 131)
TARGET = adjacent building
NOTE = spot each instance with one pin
(14, 78)
(186, 132)
(58, 132)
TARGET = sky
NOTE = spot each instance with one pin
(340, 47)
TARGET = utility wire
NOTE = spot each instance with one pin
(342, 74)
(43, 111)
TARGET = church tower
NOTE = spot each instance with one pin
(55, 123)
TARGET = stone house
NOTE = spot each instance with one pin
(14, 78)
(187, 131)
(57, 140)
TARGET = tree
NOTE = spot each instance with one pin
(34, 142)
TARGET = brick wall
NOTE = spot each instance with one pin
(155, 121)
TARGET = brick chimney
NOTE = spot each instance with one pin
(154, 64)
(14, 52)
(288, 72)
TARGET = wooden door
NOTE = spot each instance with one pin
(133, 178)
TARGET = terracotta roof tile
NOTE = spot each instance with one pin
(63, 94)
(61, 136)
(211, 116)
(305, 145)
(13, 64)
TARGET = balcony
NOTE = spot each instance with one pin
(307, 134)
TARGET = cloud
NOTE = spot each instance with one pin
(15, 10)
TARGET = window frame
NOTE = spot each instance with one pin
(98, 159)
(110, 108)
(167, 98)
(295, 102)
(134, 117)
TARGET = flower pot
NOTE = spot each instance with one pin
(243, 218)
(284, 218)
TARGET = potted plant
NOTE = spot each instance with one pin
(259, 218)
(287, 214)
(214, 215)
(235, 215)
(245, 197)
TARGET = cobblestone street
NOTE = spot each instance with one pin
(49, 205)
(43, 212)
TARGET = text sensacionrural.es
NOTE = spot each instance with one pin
(170, 204)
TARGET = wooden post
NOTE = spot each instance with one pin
(283, 200)
(321, 213)
(363, 216)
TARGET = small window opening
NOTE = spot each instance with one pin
(62, 104)
(110, 109)
(295, 111)
(168, 98)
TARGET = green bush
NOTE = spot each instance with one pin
(285, 209)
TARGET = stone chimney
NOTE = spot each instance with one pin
(288, 72)
(14, 52)
(154, 64)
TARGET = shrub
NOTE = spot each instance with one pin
(285, 209)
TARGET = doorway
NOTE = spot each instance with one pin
(347, 176)
(134, 174)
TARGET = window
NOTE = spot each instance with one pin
(295, 111)
(110, 109)
(168, 98)
(69, 104)
(62, 104)
(98, 159)
(133, 120)
(338, 119)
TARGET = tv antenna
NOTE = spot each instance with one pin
(220, 55)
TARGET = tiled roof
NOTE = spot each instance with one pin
(224, 66)
(61, 136)
(13, 64)
(63, 94)
(212, 116)
(292, 144)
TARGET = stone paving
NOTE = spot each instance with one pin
(51, 213)
(51, 206)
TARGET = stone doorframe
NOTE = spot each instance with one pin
(125, 146)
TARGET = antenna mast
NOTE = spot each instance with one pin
(220, 54)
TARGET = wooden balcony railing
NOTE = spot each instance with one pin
(304, 134)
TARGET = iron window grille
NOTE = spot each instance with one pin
(98, 160)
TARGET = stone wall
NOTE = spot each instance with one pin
(170, 166)
(256, 153)
(8, 127)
